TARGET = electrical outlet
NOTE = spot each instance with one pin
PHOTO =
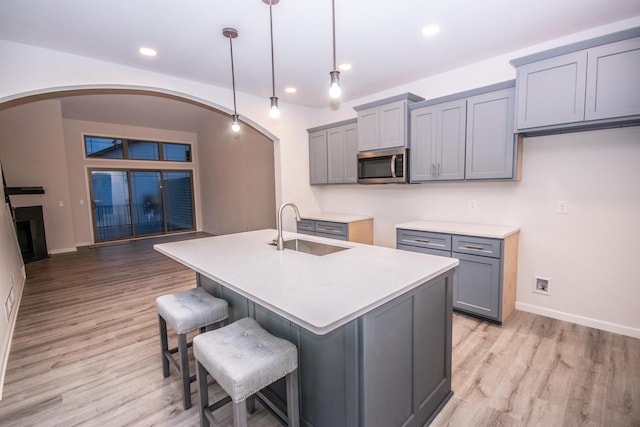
(472, 205)
(541, 285)
(563, 207)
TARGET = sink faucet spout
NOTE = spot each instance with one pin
(279, 240)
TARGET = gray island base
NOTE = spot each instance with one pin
(388, 366)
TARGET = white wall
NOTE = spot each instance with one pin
(237, 170)
(33, 154)
(11, 275)
(590, 285)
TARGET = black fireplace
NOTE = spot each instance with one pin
(30, 231)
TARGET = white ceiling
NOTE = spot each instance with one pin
(381, 39)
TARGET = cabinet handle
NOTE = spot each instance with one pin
(479, 248)
(421, 240)
(438, 169)
(432, 174)
(393, 166)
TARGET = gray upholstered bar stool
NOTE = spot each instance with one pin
(244, 358)
(185, 312)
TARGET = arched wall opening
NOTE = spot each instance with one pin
(236, 183)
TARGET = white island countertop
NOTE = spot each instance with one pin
(318, 293)
(466, 229)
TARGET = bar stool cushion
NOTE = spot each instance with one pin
(190, 310)
(244, 358)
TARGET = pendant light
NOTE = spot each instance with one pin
(232, 33)
(334, 90)
(274, 112)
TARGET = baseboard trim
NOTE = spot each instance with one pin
(62, 250)
(580, 320)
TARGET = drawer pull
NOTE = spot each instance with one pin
(422, 240)
(478, 248)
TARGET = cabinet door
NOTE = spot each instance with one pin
(368, 129)
(350, 145)
(490, 137)
(476, 285)
(552, 91)
(450, 149)
(335, 156)
(423, 143)
(613, 80)
(393, 124)
(318, 157)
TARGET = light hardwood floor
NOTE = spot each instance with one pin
(86, 352)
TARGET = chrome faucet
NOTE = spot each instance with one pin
(279, 240)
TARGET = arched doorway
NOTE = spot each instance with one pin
(234, 183)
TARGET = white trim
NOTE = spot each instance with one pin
(81, 244)
(580, 320)
(62, 250)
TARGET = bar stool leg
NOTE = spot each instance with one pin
(203, 393)
(164, 346)
(251, 404)
(240, 414)
(184, 370)
(293, 406)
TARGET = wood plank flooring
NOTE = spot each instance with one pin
(86, 352)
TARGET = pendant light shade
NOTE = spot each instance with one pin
(274, 112)
(334, 91)
(232, 33)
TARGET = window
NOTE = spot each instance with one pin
(132, 203)
(98, 147)
(106, 148)
(143, 150)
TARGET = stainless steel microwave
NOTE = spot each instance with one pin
(383, 167)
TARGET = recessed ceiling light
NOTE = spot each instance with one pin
(291, 90)
(430, 30)
(147, 51)
(344, 67)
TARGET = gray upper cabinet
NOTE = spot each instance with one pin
(438, 142)
(333, 153)
(318, 157)
(490, 138)
(585, 85)
(613, 80)
(383, 124)
(552, 91)
(467, 135)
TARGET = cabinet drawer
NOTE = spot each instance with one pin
(424, 239)
(306, 226)
(424, 250)
(477, 246)
(332, 228)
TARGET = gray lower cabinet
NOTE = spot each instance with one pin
(588, 84)
(333, 151)
(357, 231)
(389, 367)
(484, 282)
(468, 135)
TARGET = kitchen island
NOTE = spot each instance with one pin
(372, 324)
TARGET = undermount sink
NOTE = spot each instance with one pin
(309, 247)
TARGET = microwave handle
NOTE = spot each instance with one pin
(393, 166)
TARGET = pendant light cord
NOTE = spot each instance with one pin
(273, 72)
(233, 78)
(333, 14)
